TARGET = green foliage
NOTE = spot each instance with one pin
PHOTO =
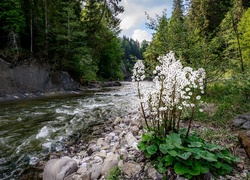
(190, 157)
(114, 173)
(75, 36)
(244, 31)
(229, 97)
(131, 52)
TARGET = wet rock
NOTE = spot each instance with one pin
(57, 169)
(242, 121)
(244, 139)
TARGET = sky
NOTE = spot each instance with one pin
(134, 20)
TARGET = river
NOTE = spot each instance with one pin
(30, 129)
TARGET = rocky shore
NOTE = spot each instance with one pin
(108, 146)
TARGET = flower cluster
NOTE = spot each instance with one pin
(138, 71)
(176, 88)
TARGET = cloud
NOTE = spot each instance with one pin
(134, 18)
(141, 35)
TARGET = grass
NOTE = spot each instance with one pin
(224, 100)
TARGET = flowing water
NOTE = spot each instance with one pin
(30, 129)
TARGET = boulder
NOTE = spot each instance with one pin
(242, 121)
(58, 169)
(244, 139)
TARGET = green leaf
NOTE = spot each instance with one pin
(216, 164)
(180, 168)
(147, 136)
(174, 139)
(161, 168)
(204, 169)
(196, 169)
(195, 144)
(188, 162)
(152, 149)
(227, 168)
(164, 148)
(185, 155)
(212, 147)
(236, 159)
(173, 153)
(188, 176)
(169, 160)
(142, 146)
(207, 156)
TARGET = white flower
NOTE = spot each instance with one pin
(198, 97)
(201, 110)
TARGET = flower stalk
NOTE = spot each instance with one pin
(176, 89)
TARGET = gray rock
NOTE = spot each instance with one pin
(110, 162)
(96, 171)
(31, 78)
(58, 169)
(242, 121)
(246, 125)
(131, 169)
(131, 140)
(84, 173)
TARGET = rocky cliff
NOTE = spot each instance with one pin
(31, 78)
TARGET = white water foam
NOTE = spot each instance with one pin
(33, 160)
(64, 111)
(43, 132)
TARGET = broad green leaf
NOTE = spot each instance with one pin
(147, 136)
(142, 146)
(193, 150)
(207, 156)
(236, 159)
(169, 160)
(180, 168)
(204, 169)
(195, 144)
(162, 169)
(174, 139)
(216, 164)
(212, 147)
(227, 168)
(152, 149)
(147, 154)
(188, 162)
(185, 155)
(164, 148)
(172, 153)
(188, 176)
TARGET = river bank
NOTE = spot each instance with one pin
(111, 145)
(92, 86)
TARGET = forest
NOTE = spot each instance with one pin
(82, 37)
